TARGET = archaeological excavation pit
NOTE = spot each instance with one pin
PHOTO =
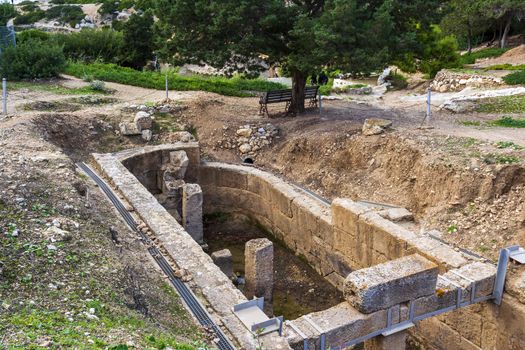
(387, 282)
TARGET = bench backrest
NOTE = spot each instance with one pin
(284, 95)
(311, 92)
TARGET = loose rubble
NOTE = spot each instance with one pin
(447, 81)
(249, 139)
(375, 126)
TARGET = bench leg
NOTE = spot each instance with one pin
(264, 110)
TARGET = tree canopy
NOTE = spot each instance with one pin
(302, 36)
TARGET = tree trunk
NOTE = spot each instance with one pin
(298, 87)
(500, 33)
(469, 38)
(506, 31)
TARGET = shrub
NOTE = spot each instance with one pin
(30, 17)
(509, 122)
(470, 58)
(97, 85)
(515, 78)
(138, 36)
(62, 2)
(226, 86)
(92, 44)
(66, 14)
(398, 81)
(7, 11)
(30, 7)
(441, 54)
(505, 66)
(32, 34)
(32, 59)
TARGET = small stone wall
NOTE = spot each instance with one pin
(449, 81)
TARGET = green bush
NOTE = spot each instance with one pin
(439, 55)
(470, 58)
(398, 81)
(30, 7)
(154, 80)
(32, 59)
(92, 44)
(509, 122)
(515, 78)
(71, 14)
(110, 6)
(7, 11)
(72, 2)
(29, 17)
(505, 66)
(32, 34)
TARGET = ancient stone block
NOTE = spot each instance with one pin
(259, 268)
(384, 285)
(345, 214)
(340, 324)
(143, 120)
(179, 160)
(192, 211)
(397, 214)
(128, 129)
(223, 259)
(440, 253)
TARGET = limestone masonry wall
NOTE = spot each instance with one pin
(335, 239)
(345, 236)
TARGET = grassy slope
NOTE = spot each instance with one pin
(77, 289)
(225, 86)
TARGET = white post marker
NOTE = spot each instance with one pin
(429, 112)
(320, 103)
(4, 95)
(166, 85)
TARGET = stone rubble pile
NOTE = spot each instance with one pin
(447, 81)
(249, 139)
(141, 125)
(158, 108)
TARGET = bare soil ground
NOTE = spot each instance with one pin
(450, 175)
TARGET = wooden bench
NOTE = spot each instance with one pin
(285, 95)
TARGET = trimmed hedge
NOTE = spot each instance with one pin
(236, 86)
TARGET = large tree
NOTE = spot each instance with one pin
(466, 19)
(302, 36)
(505, 12)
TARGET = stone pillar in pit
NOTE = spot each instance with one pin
(259, 269)
(192, 211)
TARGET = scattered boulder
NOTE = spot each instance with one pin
(375, 126)
(129, 129)
(245, 148)
(143, 120)
(383, 78)
(244, 132)
(182, 136)
(146, 135)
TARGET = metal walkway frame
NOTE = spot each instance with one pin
(514, 253)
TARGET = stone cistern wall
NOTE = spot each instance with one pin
(343, 240)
